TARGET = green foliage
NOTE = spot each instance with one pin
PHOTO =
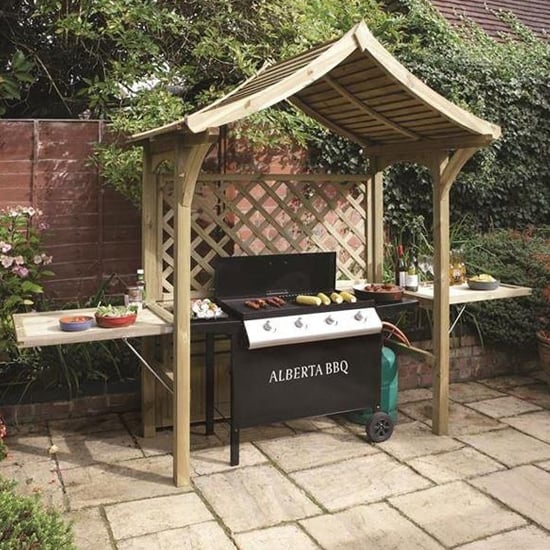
(521, 258)
(26, 525)
(3, 433)
(22, 267)
(14, 79)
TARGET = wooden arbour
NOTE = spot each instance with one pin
(355, 88)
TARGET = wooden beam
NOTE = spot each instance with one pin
(444, 171)
(366, 109)
(406, 151)
(328, 123)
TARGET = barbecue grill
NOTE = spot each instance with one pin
(292, 360)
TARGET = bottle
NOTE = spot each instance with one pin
(400, 268)
(140, 283)
(411, 283)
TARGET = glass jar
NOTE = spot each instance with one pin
(457, 268)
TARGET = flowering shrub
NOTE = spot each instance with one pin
(22, 265)
(3, 433)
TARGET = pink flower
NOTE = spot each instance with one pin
(4, 247)
(46, 259)
(37, 259)
(19, 260)
(42, 226)
(20, 271)
(6, 261)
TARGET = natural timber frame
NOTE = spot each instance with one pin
(354, 87)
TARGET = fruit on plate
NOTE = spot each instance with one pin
(483, 278)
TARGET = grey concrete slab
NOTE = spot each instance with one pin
(501, 407)
(526, 538)
(358, 481)
(376, 526)
(276, 538)
(257, 433)
(416, 439)
(509, 446)
(77, 451)
(151, 515)
(254, 497)
(307, 450)
(454, 465)
(525, 489)
(462, 420)
(91, 530)
(536, 424)
(200, 536)
(456, 513)
(130, 480)
(465, 392)
(217, 459)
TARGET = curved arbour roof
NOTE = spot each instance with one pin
(357, 89)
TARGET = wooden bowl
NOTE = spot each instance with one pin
(75, 323)
(380, 293)
(115, 322)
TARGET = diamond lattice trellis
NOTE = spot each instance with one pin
(268, 214)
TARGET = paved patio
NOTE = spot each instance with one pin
(308, 484)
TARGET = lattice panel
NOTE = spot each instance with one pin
(252, 215)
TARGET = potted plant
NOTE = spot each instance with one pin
(110, 316)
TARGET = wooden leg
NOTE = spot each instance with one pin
(148, 383)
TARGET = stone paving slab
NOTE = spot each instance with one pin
(415, 394)
(358, 481)
(312, 424)
(86, 425)
(505, 383)
(509, 446)
(90, 529)
(217, 459)
(261, 489)
(501, 407)
(456, 513)
(257, 433)
(527, 538)
(525, 489)
(146, 516)
(106, 448)
(124, 481)
(314, 449)
(466, 392)
(200, 536)
(536, 424)
(462, 463)
(462, 420)
(376, 526)
(539, 394)
(276, 538)
(26, 449)
(37, 478)
(416, 439)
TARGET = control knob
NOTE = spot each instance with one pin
(359, 316)
(267, 325)
(299, 323)
(330, 320)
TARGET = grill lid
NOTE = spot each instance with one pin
(274, 274)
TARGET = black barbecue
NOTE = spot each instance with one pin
(291, 360)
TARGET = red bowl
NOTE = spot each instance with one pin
(116, 322)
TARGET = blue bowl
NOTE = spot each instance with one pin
(74, 323)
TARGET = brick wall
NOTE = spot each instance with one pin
(93, 230)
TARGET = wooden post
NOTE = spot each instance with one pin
(149, 222)
(188, 161)
(375, 222)
(444, 171)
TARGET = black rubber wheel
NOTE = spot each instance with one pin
(379, 427)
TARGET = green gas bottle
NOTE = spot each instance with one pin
(388, 397)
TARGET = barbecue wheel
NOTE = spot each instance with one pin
(379, 427)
